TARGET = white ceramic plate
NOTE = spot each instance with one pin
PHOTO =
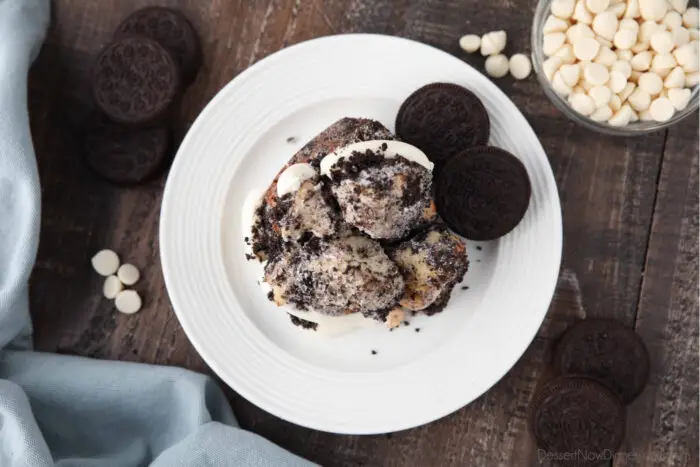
(239, 142)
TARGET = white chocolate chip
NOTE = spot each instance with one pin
(128, 302)
(554, 24)
(639, 100)
(559, 85)
(615, 103)
(634, 77)
(630, 24)
(493, 43)
(597, 6)
(520, 66)
(681, 36)
(563, 8)
(577, 32)
(691, 17)
(687, 57)
(672, 20)
(566, 54)
(606, 57)
(653, 10)
(651, 83)
(641, 61)
(470, 43)
(550, 43)
(604, 42)
(691, 79)
(625, 93)
(550, 66)
(582, 104)
(496, 66)
(605, 25)
(693, 33)
(586, 49)
(112, 287)
(625, 55)
(617, 81)
(647, 29)
(105, 262)
(679, 98)
(622, 117)
(645, 116)
(602, 114)
(570, 74)
(632, 10)
(596, 74)
(679, 5)
(675, 79)
(128, 274)
(577, 90)
(623, 67)
(640, 47)
(618, 9)
(625, 39)
(662, 42)
(662, 64)
(661, 109)
(581, 13)
(601, 96)
(587, 86)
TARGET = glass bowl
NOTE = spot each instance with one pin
(632, 129)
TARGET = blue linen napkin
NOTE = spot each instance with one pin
(71, 411)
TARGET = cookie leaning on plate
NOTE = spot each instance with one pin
(443, 119)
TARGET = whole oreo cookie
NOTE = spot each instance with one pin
(125, 156)
(443, 119)
(605, 350)
(483, 193)
(136, 81)
(577, 420)
(171, 29)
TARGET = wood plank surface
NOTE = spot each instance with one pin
(609, 195)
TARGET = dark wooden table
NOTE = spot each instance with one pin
(630, 228)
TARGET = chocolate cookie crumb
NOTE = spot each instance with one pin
(374, 352)
(302, 323)
(478, 247)
(417, 329)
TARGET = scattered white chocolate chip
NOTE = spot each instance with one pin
(601, 95)
(632, 10)
(625, 39)
(639, 100)
(651, 83)
(634, 77)
(581, 13)
(603, 42)
(622, 117)
(597, 6)
(693, 33)
(617, 81)
(586, 49)
(395, 317)
(681, 36)
(470, 43)
(563, 8)
(645, 116)
(653, 10)
(112, 287)
(596, 74)
(679, 98)
(662, 64)
(662, 42)
(566, 54)
(691, 17)
(647, 29)
(672, 20)
(630, 24)
(625, 93)
(583, 104)
(552, 42)
(625, 55)
(687, 57)
(496, 66)
(640, 47)
(128, 302)
(606, 57)
(691, 79)
(128, 274)
(105, 262)
(675, 79)
(570, 74)
(641, 61)
(602, 114)
(550, 66)
(559, 85)
(493, 43)
(623, 66)
(605, 25)
(661, 109)
(554, 24)
(615, 103)
(520, 66)
(679, 5)
(577, 32)
(618, 9)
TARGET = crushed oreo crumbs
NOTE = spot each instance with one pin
(374, 352)
(291, 140)
(478, 247)
(417, 329)
(465, 287)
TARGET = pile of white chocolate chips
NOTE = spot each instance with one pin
(620, 61)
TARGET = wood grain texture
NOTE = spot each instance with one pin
(609, 195)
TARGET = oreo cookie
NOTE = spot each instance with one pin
(443, 119)
(577, 421)
(125, 156)
(482, 193)
(605, 350)
(136, 81)
(172, 30)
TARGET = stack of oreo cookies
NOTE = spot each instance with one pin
(578, 418)
(481, 192)
(138, 81)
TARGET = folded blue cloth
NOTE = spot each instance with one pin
(77, 412)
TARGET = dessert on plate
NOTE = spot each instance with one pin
(349, 232)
